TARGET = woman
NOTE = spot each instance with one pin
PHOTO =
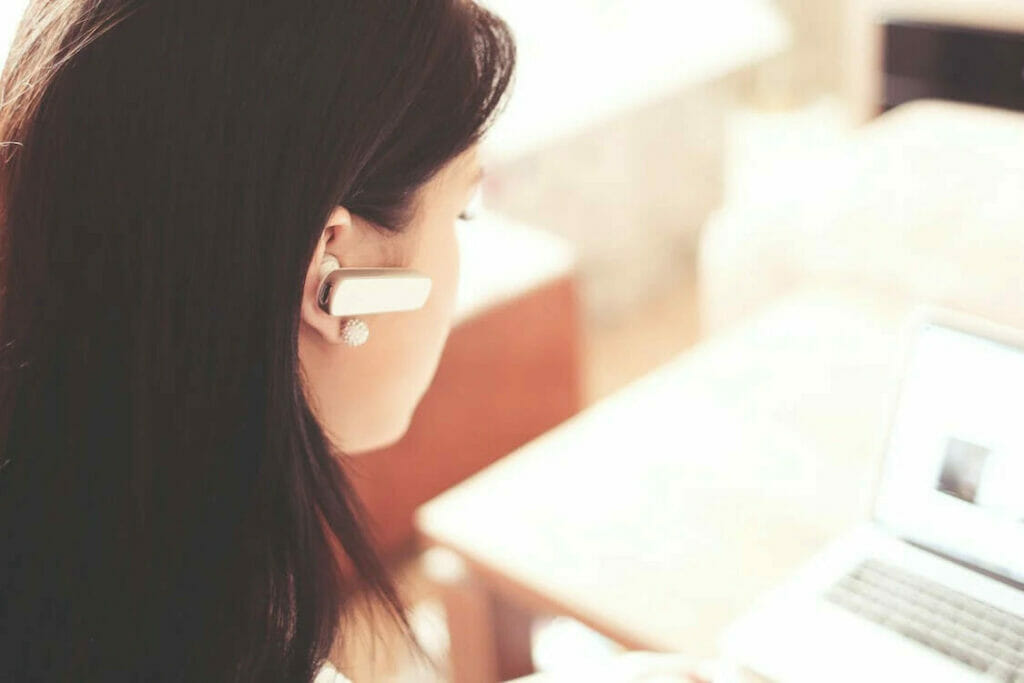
(175, 403)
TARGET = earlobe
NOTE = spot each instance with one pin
(352, 332)
(316, 310)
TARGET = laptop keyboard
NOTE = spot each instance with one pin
(986, 638)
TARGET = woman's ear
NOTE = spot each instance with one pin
(338, 239)
(355, 243)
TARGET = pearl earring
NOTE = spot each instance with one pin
(354, 332)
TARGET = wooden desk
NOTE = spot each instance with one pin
(658, 515)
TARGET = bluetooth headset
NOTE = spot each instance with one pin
(347, 292)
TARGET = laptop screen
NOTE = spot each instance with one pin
(953, 478)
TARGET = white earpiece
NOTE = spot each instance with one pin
(363, 291)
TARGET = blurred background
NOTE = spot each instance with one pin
(667, 171)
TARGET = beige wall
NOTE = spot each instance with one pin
(814, 65)
(631, 194)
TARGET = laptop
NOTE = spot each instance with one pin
(932, 588)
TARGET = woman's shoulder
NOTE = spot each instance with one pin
(328, 674)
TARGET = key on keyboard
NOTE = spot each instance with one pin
(982, 636)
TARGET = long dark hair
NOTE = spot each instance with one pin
(170, 510)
